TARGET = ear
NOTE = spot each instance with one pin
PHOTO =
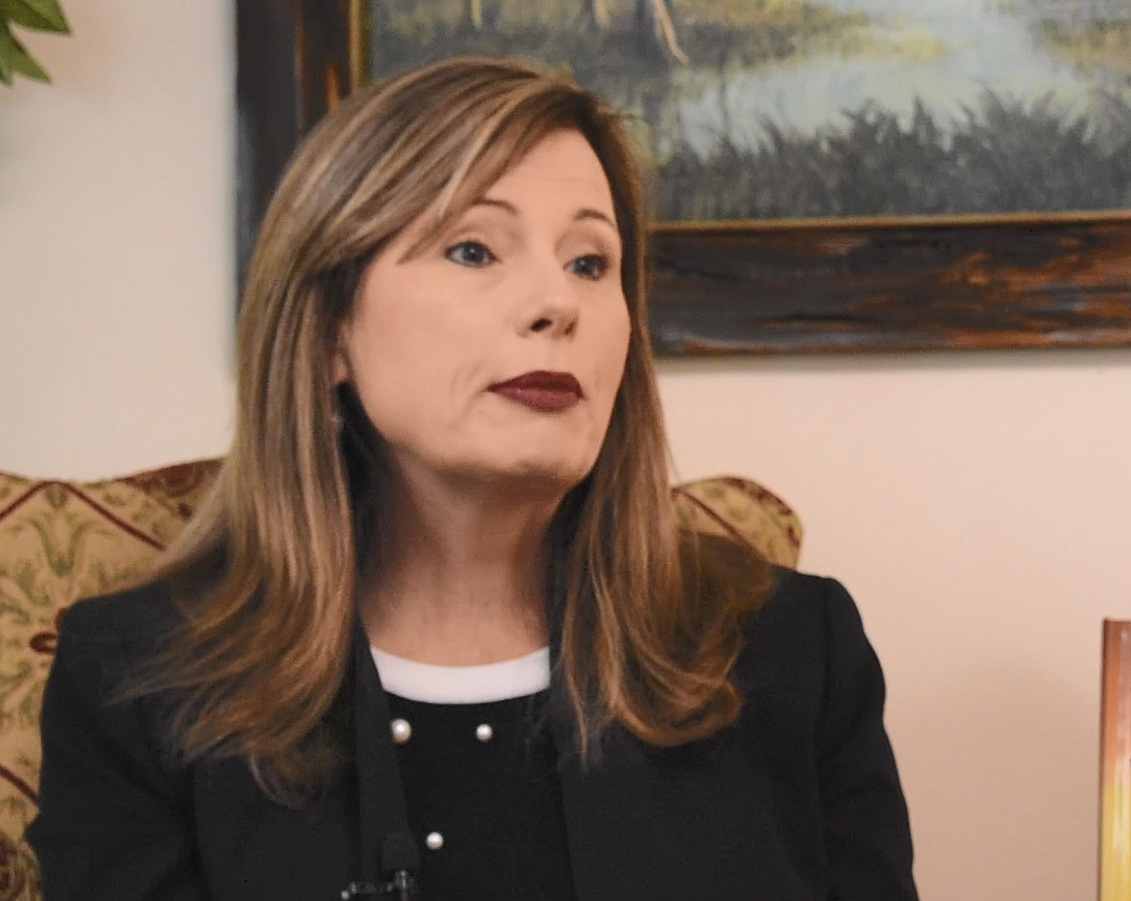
(340, 372)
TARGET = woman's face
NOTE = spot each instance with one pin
(496, 351)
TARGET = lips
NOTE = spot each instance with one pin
(548, 392)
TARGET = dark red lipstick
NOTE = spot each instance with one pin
(548, 392)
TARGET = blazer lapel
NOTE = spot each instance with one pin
(381, 800)
(612, 831)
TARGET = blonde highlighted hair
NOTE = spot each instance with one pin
(266, 573)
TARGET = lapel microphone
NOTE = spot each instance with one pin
(400, 859)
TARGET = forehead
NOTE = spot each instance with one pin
(560, 175)
(562, 169)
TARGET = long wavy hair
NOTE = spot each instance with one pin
(266, 574)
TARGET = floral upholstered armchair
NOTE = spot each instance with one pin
(62, 541)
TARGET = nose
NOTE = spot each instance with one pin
(552, 305)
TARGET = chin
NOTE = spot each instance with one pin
(543, 467)
(565, 476)
(553, 474)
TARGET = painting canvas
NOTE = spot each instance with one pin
(790, 109)
(1115, 762)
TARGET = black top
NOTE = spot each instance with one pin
(481, 780)
(799, 800)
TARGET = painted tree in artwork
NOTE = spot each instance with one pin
(480, 14)
(595, 14)
(654, 18)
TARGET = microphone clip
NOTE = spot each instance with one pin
(402, 887)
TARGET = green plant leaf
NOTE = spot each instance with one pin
(42, 15)
(27, 65)
(15, 60)
(7, 40)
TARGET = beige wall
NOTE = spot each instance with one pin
(116, 241)
(975, 504)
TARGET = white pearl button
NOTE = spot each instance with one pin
(402, 731)
(434, 841)
(484, 732)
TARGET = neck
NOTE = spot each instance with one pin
(462, 575)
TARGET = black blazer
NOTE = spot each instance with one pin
(799, 800)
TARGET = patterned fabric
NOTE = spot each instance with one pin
(62, 541)
(742, 510)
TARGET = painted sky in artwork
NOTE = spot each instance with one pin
(786, 108)
(945, 53)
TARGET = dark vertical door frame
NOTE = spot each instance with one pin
(294, 60)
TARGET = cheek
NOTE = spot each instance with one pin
(614, 334)
(391, 371)
(417, 374)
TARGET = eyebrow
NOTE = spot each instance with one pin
(582, 214)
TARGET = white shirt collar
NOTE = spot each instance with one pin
(482, 684)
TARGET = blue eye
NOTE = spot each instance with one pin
(592, 266)
(470, 253)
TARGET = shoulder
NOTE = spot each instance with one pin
(105, 650)
(114, 631)
(807, 655)
(806, 632)
(785, 617)
(805, 602)
(104, 751)
(124, 614)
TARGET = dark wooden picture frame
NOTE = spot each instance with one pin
(758, 286)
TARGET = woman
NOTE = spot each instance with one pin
(436, 628)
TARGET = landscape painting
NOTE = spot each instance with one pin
(791, 109)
